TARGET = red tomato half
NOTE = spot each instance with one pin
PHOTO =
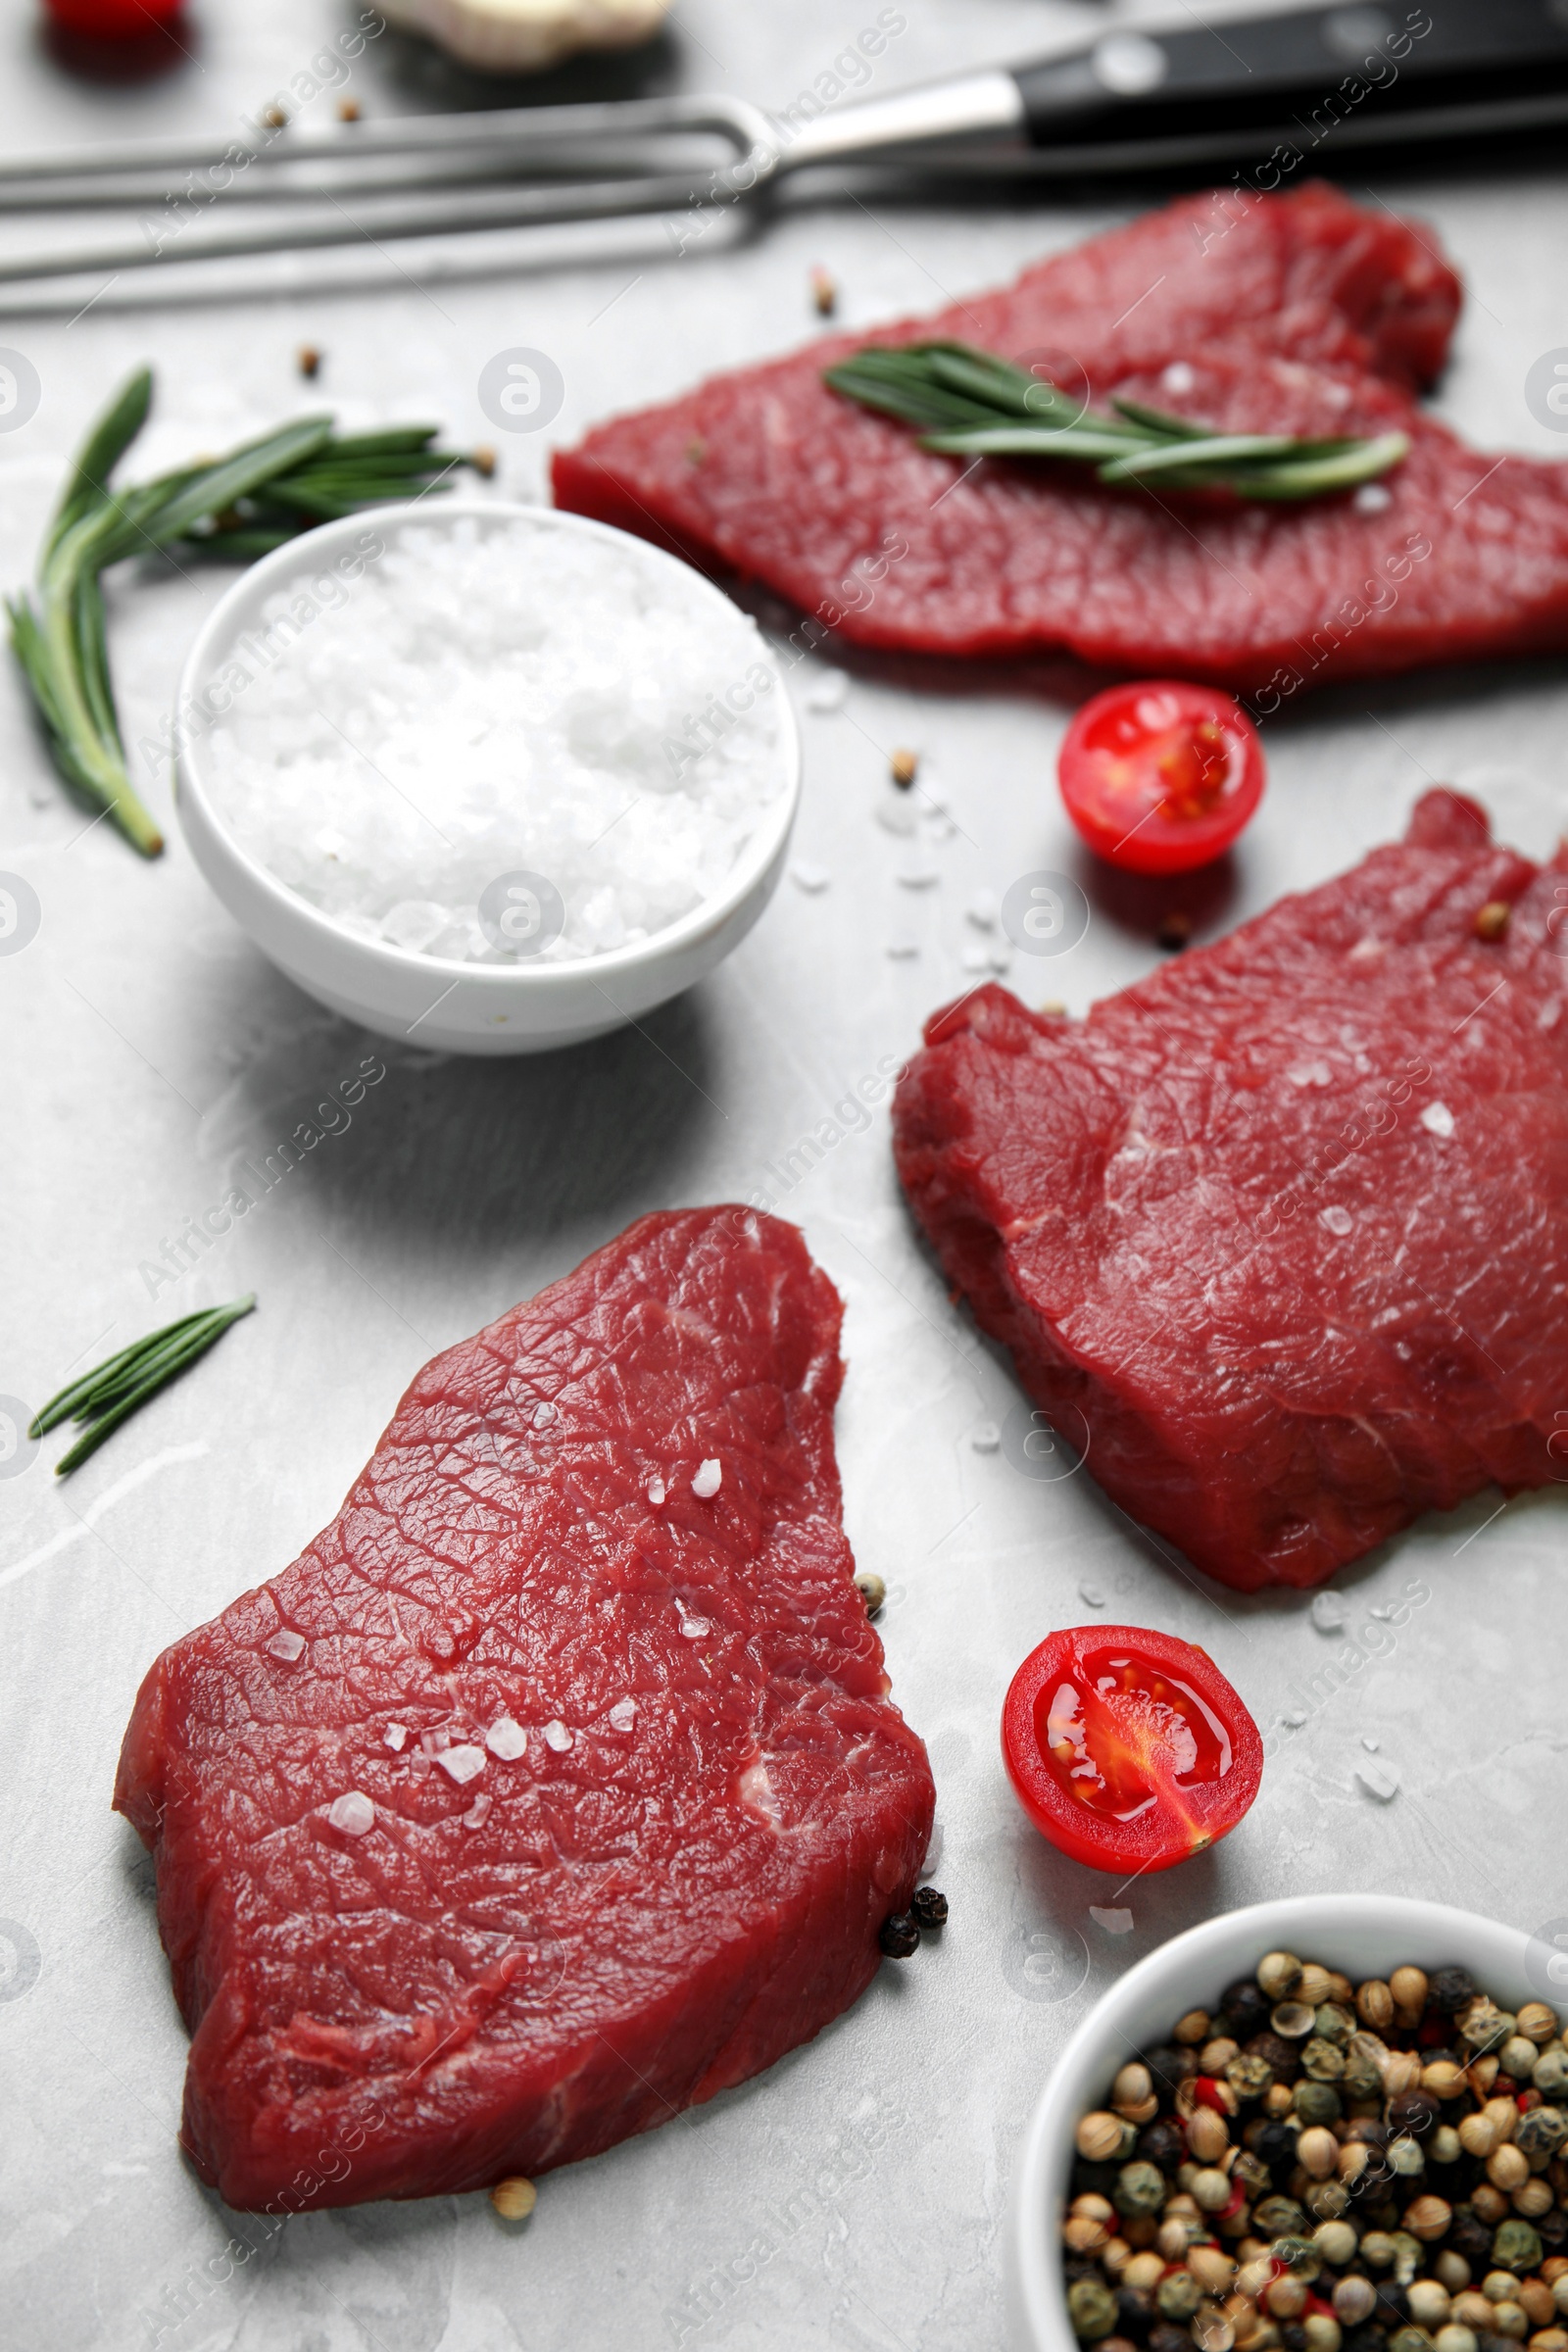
(1128, 1749)
(1159, 777)
(113, 20)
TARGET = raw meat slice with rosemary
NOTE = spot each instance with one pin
(555, 1786)
(1282, 1230)
(1301, 314)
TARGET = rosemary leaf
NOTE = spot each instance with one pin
(967, 403)
(101, 1399)
(237, 507)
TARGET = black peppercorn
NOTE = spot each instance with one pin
(1293, 2336)
(1162, 2144)
(1163, 2337)
(929, 1908)
(899, 1935)
(1244, 2008)
(1093, 2179)
(1414, 2111)
(1468, 2234)
(1135, 2306)
(1168, 2068)
(1449, 1988)
(1275, 2146)
(1368, 2337)
(1392, 2310)
(1285, 2057)
(1552, 2229)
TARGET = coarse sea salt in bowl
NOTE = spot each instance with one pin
(1362, 1935)
(489, 776)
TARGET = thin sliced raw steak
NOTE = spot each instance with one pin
(1284, 1228)
(1300, 313)
(696, 1804)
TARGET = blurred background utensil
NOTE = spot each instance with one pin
(1303, 86)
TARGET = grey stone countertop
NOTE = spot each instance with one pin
(854, 2196)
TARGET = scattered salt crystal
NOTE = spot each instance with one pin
(933, 1854)
(897, 812)
(918, 873)
(1309, 1073)
(829, 692)
(353, 1813)
(901, 950)
(807, 877)
(708, 1480)
(287, 1646)
(433, 1741)
(1178, 377)
(507, 1739)
(556, 1736)
(464, 1763)
(1372, 499)
(1378, 1778)
(395, 1737)
(982, 909)
(656, 1492)
(1114, 1922)
(1093, 1596)
(985, 1437)
(1001, 959)
(623, 1714)
(499, 702)
(692, 1629)
(1336, 1220)
(1370, 1745)
(543, 1415)
(975, 960)
(1437, 1119)
(1296, 1717)
(476, 1811)
(1329, 1613)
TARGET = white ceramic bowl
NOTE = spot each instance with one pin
(448, 1005)
(1362, 1935)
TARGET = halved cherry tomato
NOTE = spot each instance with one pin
(1159, 776)
(115, 20)
(1128, 1749)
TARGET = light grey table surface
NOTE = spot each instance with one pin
(854, 2196)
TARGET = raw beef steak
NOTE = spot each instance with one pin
(1284, 1228)
(1300, 314)
(547, 1793)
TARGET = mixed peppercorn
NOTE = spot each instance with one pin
(1326, 2166)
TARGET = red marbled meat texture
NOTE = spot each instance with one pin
(640, 1919)
(1306, 314)
(1282, 1229)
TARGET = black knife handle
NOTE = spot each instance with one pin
(1352, 74)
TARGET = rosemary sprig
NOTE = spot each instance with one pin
(969, 402)
(101, 1399)
(237, 507)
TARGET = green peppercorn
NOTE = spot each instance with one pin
(1249, 2078)
(1178, 2296)
(1516, 2247)
(1541, 2131)
(1279, 2217)
(1335, 2023)
(1301, 2257)
(1322, 2060)
(1317, 2103)
(1549, 2074)
(1139, 2189)
(1411, 2339)
(1092, 2309)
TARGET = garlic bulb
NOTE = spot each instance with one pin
(524, 36)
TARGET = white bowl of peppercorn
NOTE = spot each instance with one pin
(1329, 2124)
